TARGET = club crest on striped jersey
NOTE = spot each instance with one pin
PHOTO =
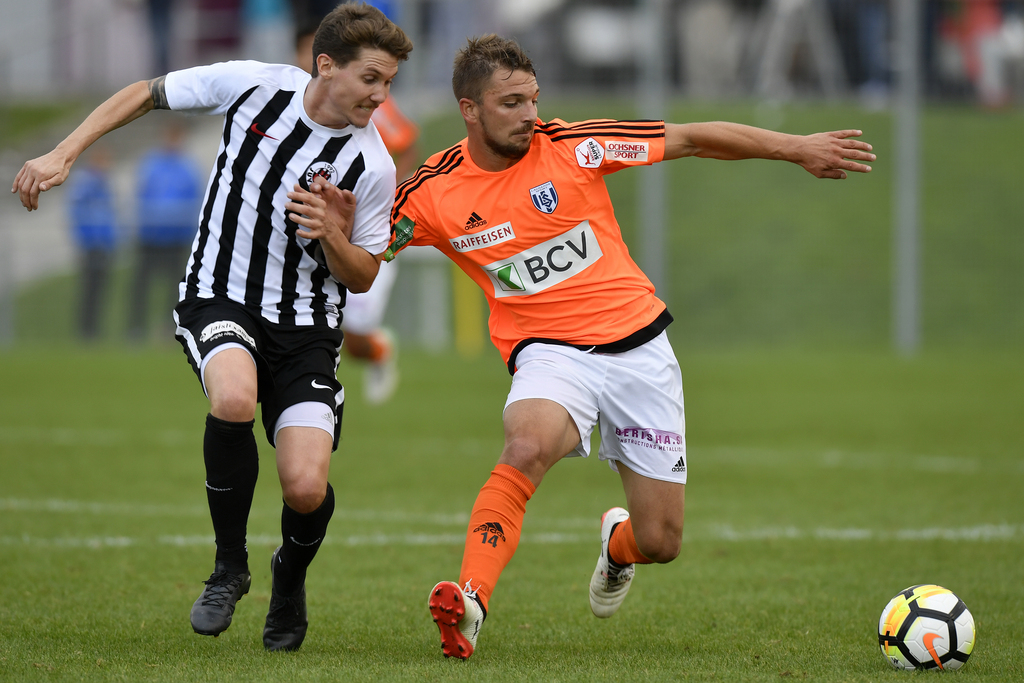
(544, 197)
(589, 153)
(319, 169)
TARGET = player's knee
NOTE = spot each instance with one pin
(662, 546)
(526, 455)
(304, 496)
(233, 406)
(664, 552)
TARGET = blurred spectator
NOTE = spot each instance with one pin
(168, 196)
(998, 49)
(160, 27)
(863, 30)
(94, 227)
(267, 31)
(971, 47)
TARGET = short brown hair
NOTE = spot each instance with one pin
(351, 27)
(477, 62)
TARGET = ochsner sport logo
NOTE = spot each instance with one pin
(626, 150)
(545, 264)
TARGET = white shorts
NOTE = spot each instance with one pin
(364, 313)
(636, 397)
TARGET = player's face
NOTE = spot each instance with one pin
(359, 87)
(508, 113)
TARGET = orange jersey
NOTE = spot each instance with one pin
(396, 130)
(540, 238)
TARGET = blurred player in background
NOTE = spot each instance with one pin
(94, 226)
(365, 337)
(521, 206)
(260, 305)
(168, 193)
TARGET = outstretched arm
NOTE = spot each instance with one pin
(331, 223)
(824, 155)
(50, 170)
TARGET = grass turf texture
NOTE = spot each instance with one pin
(821, 484)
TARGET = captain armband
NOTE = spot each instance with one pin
(402, 234)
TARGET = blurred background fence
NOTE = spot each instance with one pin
(748, 254)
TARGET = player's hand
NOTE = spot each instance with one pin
(39, 175)
(323, 211)
(831, 155)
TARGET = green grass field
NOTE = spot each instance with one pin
(826, 474)
(820, 485)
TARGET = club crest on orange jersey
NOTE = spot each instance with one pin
(544, 197)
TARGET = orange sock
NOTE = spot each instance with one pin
(622, 547)
(380, 348)
(494, 526)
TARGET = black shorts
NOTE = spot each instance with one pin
(294, 364)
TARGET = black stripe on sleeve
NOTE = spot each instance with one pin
(448, 163)
(618, 134)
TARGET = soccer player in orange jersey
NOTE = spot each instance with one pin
(521, 206)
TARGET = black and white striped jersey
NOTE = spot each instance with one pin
(245, 249)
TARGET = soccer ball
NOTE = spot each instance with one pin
(926, 627)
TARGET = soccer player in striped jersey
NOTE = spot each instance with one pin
(366, 339)
(260, 302)
(521, 206)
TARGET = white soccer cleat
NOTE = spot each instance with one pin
(610, 582)
(458, 616)
(381, 379)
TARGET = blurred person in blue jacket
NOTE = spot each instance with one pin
(168, 197)
(93, 221)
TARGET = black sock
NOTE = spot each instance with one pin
(302, 534)
(232, 467)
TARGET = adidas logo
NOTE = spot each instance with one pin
(475, 222)
(680, 466)
(492, 528)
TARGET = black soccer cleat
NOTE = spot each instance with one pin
(211, 613)
(286, 619)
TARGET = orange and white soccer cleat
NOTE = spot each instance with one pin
(459, 616)
(610, 581)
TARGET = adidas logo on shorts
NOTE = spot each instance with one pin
(679, 466)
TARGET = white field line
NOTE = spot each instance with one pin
(549, 530)
(148, 510)
(982, 533)
(704, 457)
